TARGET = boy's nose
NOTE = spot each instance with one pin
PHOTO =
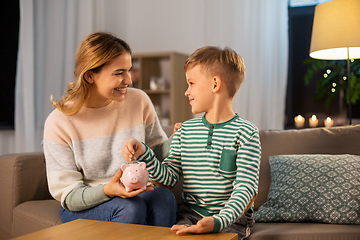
(186, 93)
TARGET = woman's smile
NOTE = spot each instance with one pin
(121, 90)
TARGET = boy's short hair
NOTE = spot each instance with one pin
(224, 63)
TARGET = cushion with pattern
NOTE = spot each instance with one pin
(313, 188)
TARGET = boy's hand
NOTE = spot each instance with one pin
(205, 225)
(115, 188)
(132, 149)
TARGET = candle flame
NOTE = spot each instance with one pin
(328, 119)
(313, 117)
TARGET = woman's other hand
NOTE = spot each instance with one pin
(176, 127)
(115, 188)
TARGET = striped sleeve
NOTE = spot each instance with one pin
(169, 171)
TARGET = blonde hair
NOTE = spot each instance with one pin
(224, 63)
(94, 52)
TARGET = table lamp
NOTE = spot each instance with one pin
(336, 34)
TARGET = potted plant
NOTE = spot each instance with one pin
(331, 77)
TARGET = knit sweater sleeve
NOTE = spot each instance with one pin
(161, 150)
(245, 186)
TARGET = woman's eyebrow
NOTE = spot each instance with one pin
(122, 70)
(119, 70)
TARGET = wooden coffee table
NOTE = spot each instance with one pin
(90, 229)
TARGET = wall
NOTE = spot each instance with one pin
(166, 25)
(254, 28)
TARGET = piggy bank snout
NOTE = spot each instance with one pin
(134, 178)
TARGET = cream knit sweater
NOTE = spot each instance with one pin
(84, 151)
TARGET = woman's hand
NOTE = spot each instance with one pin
(115, 188)
(176, 127)
(132, 149)
(205, 225)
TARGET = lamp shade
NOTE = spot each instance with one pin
(336, 29)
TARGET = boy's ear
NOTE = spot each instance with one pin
(216, 84)
(88, 77)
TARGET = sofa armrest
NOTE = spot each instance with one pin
(22, 178)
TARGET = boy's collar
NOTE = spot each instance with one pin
(218, 125)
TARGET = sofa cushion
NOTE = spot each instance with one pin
(313, 188)
(33, 216)
(332, 140)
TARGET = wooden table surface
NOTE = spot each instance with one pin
(90, 229)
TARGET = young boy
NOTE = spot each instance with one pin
(218, 154)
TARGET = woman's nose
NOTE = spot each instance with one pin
(127, 79)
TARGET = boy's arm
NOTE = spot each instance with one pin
(161, 151)
(167, 172)
(246, 184)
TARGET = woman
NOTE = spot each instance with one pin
(84, 136)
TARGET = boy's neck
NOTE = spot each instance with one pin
(220, 112)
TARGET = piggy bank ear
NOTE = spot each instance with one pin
(142, 165)
(124, 166)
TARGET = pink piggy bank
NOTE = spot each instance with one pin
(134, 176)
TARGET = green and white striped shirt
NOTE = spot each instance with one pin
(220, 165)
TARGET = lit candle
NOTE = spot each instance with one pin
(328, 122)
(313, 121)
(299, 121)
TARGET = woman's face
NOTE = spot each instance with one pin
(110, 84)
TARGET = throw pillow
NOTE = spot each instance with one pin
(313, 188)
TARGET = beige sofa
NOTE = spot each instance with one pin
(26, 205)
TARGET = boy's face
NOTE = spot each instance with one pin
(199, 90)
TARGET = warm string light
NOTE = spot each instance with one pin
(326, 74)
